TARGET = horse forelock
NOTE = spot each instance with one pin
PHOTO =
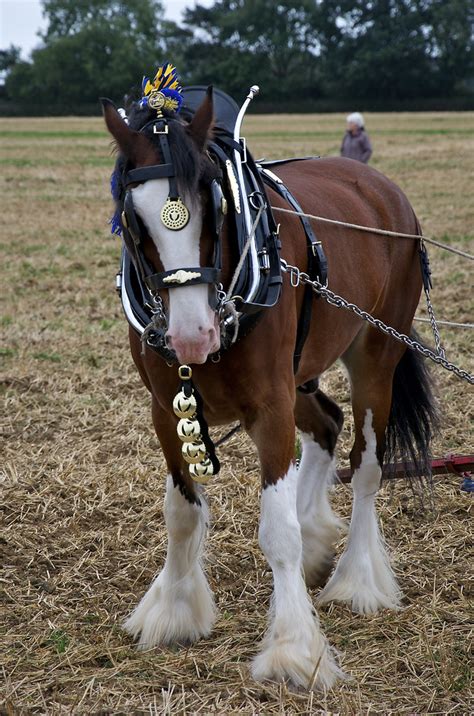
(190, 164)
(192, 167)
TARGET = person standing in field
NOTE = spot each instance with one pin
(356, 143)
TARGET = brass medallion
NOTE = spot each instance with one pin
(156, 99)
(174, 214)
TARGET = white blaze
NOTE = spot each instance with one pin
(190, 315)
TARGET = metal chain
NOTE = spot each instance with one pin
(429, 306)
(298, 277)
(159, 317)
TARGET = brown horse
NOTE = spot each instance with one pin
(254, 383)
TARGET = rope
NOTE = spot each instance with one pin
(383, 232)
(244, 253)
(445, 323)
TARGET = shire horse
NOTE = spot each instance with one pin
(254, 383)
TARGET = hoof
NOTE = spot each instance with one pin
(365, 589)
(310, 666)
(173, 616)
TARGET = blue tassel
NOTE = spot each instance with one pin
(114, 185)
(116, 226)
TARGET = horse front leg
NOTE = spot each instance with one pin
(178, 606)
(294, 648)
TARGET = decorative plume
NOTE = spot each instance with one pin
(164, 92)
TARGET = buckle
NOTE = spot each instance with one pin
(243, 143)
(314, 247)
(160, 131)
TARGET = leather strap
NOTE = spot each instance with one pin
(156, 171)
(317, 268)
(177, 277)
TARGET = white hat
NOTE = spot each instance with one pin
(356, 118)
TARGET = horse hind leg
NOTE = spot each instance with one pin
(363, 575)
(178, 606)
(319, 420)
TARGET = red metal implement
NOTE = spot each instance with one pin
(451, 464)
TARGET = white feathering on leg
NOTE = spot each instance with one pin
(178, 606)
(294, 648)
(320, 527)
(363, 575)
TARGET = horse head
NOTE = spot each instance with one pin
(165, 179)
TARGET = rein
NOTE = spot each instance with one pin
(382, 232)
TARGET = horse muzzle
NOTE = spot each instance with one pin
(197, 346)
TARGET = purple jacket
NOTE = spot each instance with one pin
(356, 146)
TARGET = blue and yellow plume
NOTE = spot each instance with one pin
(165, 90)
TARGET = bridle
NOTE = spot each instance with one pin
(256, 280)
(134, 233)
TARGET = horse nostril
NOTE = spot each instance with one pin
(168, 340)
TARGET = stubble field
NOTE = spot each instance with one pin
(83, 477)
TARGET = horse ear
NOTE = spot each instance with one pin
(200, 127)
(132, 144)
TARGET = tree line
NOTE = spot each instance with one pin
(305, 55)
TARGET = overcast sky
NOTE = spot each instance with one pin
(20, 20)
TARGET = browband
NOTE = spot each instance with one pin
(156, 171)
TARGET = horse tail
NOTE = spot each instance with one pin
(414, 414)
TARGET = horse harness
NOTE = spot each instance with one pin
(139, 285)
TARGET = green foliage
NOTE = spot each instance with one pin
(241, 43)
(92, 48)
(44, 356)
(396, 48)
(9, 58)
(298, 51)
(59, 640)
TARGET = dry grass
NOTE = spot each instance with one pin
(83, 479)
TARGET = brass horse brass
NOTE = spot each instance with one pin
(174, 214)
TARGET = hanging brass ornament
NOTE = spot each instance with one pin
(184, 406)
(202, 471)
(197, 448)
(189, 430)
(194, 452)
(174, 214)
